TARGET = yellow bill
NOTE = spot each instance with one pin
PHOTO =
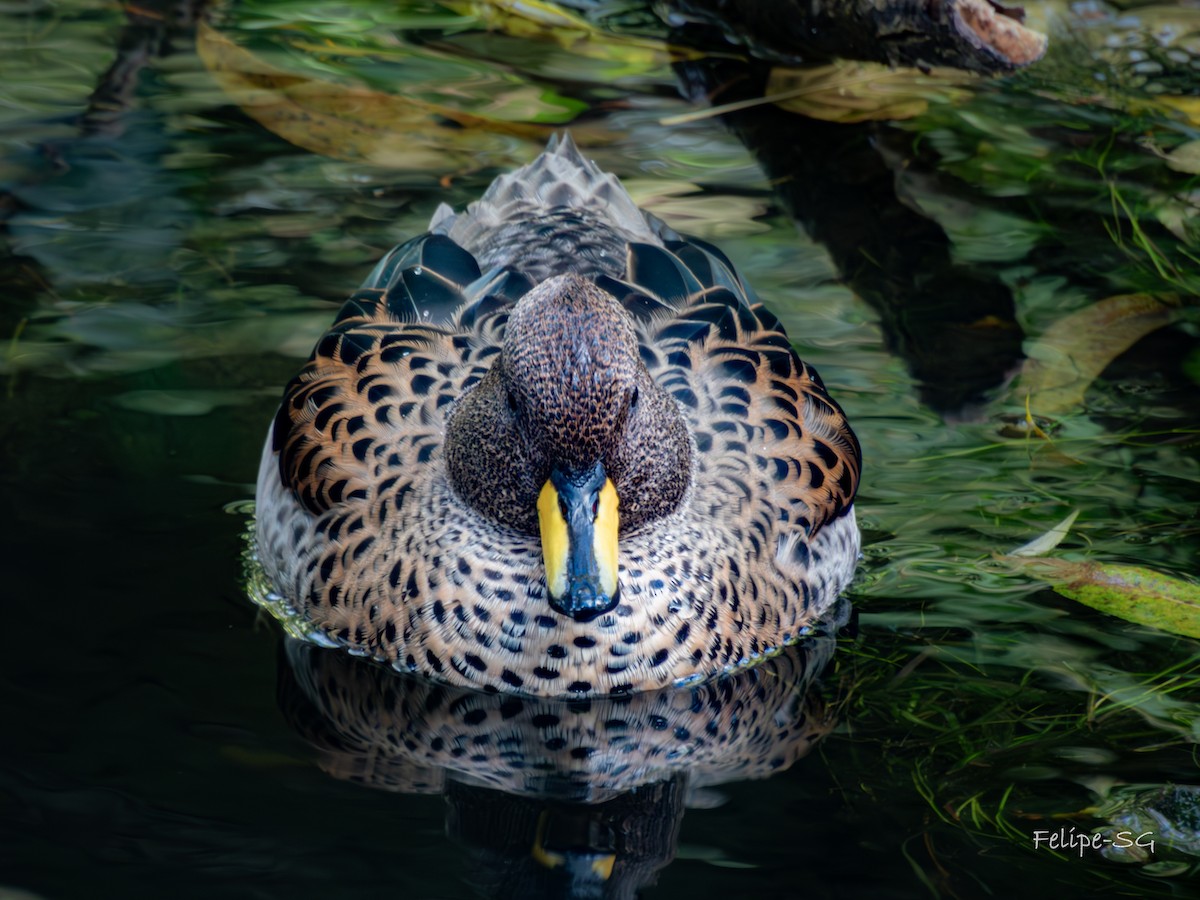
(579, 527)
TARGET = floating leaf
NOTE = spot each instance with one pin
(1132, 593)
(353, 122)
(1072, 352)
(696, 212)
(1179, 216)
(845, 91)
(1185, 158)
(1048, 541)
(181, 402)
(548, 22)
(1187, 105)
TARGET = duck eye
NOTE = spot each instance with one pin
(633, 398)
(511, 400)
(595, 504)
(562, 508)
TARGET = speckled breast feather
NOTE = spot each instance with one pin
(362, 534)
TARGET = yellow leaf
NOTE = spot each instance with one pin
(847, 92)
(354, 122)
(1072, 352)
(548, 22)
(1189, 106)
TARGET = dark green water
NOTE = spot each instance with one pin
(168, 261)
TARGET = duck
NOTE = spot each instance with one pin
(552, 447)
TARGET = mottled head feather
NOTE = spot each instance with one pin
(570, 365)
(568, 390)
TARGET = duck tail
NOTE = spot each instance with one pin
(560, 178)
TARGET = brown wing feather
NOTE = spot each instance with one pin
(813, 436)
(772, 434)
(757, 400)
(339, 415)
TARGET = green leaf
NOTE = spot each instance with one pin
(1132, 593)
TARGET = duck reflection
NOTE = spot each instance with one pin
(559, 798)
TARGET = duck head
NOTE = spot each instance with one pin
(568, 436)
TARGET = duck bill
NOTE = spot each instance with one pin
(579, 524)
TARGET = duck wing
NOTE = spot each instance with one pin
(401, 348)
(759, 412)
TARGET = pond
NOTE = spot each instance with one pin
(996, 278)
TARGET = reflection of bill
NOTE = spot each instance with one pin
(557, 797)
(1070, 839)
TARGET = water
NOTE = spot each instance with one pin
(169, 262)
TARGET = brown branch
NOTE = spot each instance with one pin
(977, 35)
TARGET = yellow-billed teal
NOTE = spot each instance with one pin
(552, 447)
